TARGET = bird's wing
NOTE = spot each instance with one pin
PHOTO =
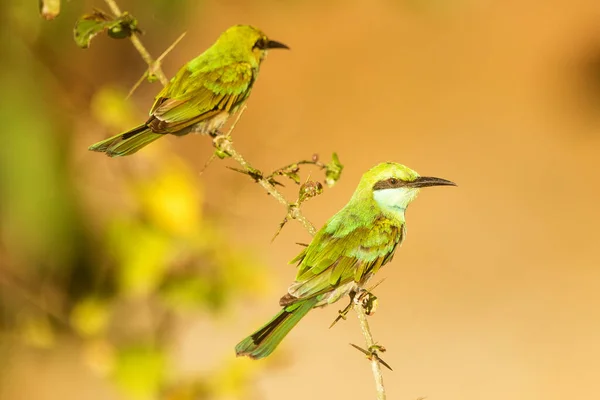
(193, 96)
(331, 261)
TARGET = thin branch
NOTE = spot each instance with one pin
(371, 346)
(158, 60)
(153, 66)
(225, 144)
(171, 47)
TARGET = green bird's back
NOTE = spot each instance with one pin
(203, 94)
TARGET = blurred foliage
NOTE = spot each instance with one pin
(140, 369)
(71, 274)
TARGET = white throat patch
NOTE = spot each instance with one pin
(396, 199)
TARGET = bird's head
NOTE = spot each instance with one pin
(394, 186)
(247, 41)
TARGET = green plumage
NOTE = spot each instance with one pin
(262, 342)
(345, 253)
(203, 94)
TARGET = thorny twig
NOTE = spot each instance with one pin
(153, 66)
(158, 60)
(373, 349)
(224, 143)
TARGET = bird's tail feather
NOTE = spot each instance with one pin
(126, 143)
(262, 342)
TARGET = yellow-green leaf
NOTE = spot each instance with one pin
(333, 170)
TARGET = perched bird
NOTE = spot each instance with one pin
(203, 94)
(346, 252)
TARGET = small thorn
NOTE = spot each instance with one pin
(342, 314)
(207, 163)
(281, 225)
(171, 47)
(136, 85)
(274, 182)
(372, 354)
(384, 363)
(254, 173)
(365, 352)
(335, 321)
(375, 285)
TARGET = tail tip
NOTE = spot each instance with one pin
(248, 348)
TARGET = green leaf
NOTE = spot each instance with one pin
(333, 170)
(90, 25)
(49, 9)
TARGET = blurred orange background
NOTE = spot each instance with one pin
(495, 292)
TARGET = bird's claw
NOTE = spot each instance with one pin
(221, 142)
(215, 133)
(372, 353)
(367, 300)
(364, 298)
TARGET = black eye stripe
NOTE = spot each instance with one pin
(261, 44)
(390, 183)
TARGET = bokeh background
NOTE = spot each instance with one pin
(134, 278)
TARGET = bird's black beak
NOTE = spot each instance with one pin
(272, 44)
(425, 181)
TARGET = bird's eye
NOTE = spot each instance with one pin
(260, 44)
(393, 181)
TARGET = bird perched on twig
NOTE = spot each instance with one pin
(203, 94)
(345, 253)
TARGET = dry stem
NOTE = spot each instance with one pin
(375, 363)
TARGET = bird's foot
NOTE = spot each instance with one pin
(222, 142)
(215, 133)
(367, 300)
(372, 353)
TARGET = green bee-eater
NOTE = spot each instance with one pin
(346, 252)
(203, 94)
